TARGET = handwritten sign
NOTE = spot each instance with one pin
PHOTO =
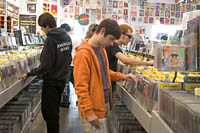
(83, 19)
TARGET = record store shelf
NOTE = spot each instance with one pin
(10, 92)
(152, 123)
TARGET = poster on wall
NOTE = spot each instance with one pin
(71, 9)
(146, 20)
(162, 13)
(65, 2)
(162, 6)
(46, 8)
(172, 20)
(162, 20)
(140, 19)
(110, 9)
(157, 6)
(114, 17)
(141, 12)
(31, 8)
(125, 18)
(66, 10)
(147, 13)
(166, 20)
(125, 12)
(54, 10)
(125, 4)
(151, 13)
(133, 19)
(120, 12)
(151, 20)
(54, 2)
(167, 14)
(115, 4)
(27, 23)
(121, 4)
(157, 13)
(77, 10)
(172, 7)
(3, 4)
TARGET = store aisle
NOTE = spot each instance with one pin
(69, 119)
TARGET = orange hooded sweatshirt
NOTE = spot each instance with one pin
(88, 83)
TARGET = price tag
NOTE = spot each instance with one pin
(191, 86)
(170, 86)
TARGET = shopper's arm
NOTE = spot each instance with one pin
(130, 61)
(47, 59)
(81, 79)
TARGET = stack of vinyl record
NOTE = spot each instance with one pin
(15, 114)
(123, 120)
(177, 108)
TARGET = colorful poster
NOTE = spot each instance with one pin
(173, 14)
(172, 20)
(162, 13)
(177, 21)
(120, 12)
(46, 8)
(152, 6)
(168, 7)
(146, 20)
(125, 12)
(133, 19)
(104, 11)
(46, 1)
(146, 5)
(183, 8)
(158, 6)
(87, 11)
(188, 6)
(140, 19)
(110, 9)
(198, 7)
(115, 11)
(172, 7)
(151, 13)
(115, 4)
(87, 3)
(66, 10)
(110, 3)
(114, 17)
(147, 13)
(71, 9)
(54, 10)
(98, 17)
(54, 2)
(120, 17)
(133, 11)
(98, 11)
(151, 20)
(166, 20)
(162, 20)
(157, 13)
(162, 6)
(141, 12)
(167, 14)
(125, 18)
(76, 10)
(121, 4)
(125, 4)
(193, 7)
(177, 14)
(177, 7)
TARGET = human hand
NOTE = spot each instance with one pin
(93, 119)
(23, 76)
(150, 63)
(130, 76)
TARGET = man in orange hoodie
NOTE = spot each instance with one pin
(93, 77)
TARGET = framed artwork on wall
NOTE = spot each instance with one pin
(31, 8)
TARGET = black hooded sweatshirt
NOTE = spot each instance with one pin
(56, 56)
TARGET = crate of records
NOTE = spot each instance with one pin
(14, 63)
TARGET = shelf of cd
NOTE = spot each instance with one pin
(10, 92)
(158, 125)
(139, 112)
(152, 123)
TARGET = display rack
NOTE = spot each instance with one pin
(139, 112)
(26, 126)
(158, 125)
(36, 110)
(10, 92)
(152, 123)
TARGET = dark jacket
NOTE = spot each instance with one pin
(55, 57)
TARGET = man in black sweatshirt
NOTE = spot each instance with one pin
(55, 59)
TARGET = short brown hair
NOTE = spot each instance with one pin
(46, 19)
(91, 30)
(124, 28)
(111, 27)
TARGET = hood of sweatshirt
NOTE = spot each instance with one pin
(57, 33)
(84, 45)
